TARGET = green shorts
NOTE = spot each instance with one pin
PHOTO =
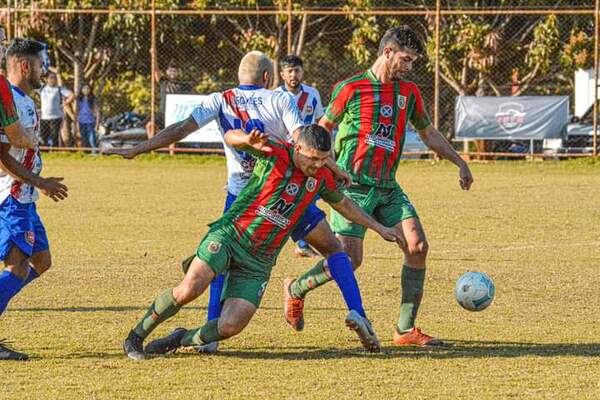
(246, 276)
(387, 206)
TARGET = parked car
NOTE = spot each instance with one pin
(122, 131)
(578, 139)
(414, 144)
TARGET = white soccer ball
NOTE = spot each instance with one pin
(475, 291)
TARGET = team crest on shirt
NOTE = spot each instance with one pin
(308, 109)
(311, 184)
(401, 101)
(214, 247)
(30, 237)
(387, 111)
(292, 189)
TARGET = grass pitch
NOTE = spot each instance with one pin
(118, 239)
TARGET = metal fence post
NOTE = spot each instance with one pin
(289, 27)
(595, 116)
(8, 20)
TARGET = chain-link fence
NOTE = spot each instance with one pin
(132, 56)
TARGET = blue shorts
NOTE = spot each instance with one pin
(21, 226)
(311, 218)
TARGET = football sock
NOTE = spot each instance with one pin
(312, 279)
(207, 334)
(214, 299)
(412, 292)
(10, 285)
(342, 272)
(164, 307)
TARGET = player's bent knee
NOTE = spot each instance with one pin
(187, 291)
(418, 249)
(231, 327)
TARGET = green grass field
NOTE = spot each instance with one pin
(118, 239)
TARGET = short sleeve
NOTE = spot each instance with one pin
(328, 189)
(291, 114)
(419, 117)
(340, 97)
(8, 109)
(207, 110)
(318, 113)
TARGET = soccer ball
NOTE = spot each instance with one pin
(475, 291)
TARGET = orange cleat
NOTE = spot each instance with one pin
(415, 337)
(293, 308)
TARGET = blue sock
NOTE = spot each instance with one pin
(341, 271)
(10, 285)
(302, 244)
(214, 299)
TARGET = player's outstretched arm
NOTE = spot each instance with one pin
(18, 136)
(51, 187)
(438, 143)
(171, 134)
(352, 212)
(253, 142)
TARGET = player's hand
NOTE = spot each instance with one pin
(125, 153)
(392, 235)
(343, 178)
(53, 188)
(466, 178)
(258, 141)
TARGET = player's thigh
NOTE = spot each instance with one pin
(365, 198)
(393, 207)
(41, 261)
(322, 239)
(17, 262)
(235, 316)
(194, 283)
(415, 244)
(353, 246)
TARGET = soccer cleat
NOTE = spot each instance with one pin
(6, 353)
(209, 348)
(293, 308)
(134, 346)
(364, 330)
(415, 337)
(168, 344)
(307, 252)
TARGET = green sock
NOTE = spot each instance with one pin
(412, 292)
(207, 334)
(312, 279)
(164, 307)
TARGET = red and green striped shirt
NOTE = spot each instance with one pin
(272, 203)
(372, 119)
(8, 110)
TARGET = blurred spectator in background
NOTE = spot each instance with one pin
(88, 112)
(168, 85)
(54, 99)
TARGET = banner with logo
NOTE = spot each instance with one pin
(519, 118)
(180, 106)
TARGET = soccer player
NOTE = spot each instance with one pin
(23, 241)
(372, 110)
(245, 241)
(308, 101)
(250, 106)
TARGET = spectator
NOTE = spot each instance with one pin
(54, 98)
(169, 85)
(88, 113)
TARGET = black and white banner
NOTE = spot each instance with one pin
(519, 118)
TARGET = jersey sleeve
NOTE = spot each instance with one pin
(318, 113)
(328, 189)
(8, 109)
(340, 97)
(291, 115)
(64, 92)
(207, 110)
(419, 117)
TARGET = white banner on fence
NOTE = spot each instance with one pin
(180, 106)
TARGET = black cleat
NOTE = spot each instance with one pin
(6, 353)
(168, 344)
(134, 346)
(185, 264)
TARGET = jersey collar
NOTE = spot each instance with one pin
(19, 91)
(250, 87)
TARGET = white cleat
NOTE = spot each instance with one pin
(364, 330)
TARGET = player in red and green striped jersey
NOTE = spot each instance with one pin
(245, 242)
(372, 111)
(9, 118)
